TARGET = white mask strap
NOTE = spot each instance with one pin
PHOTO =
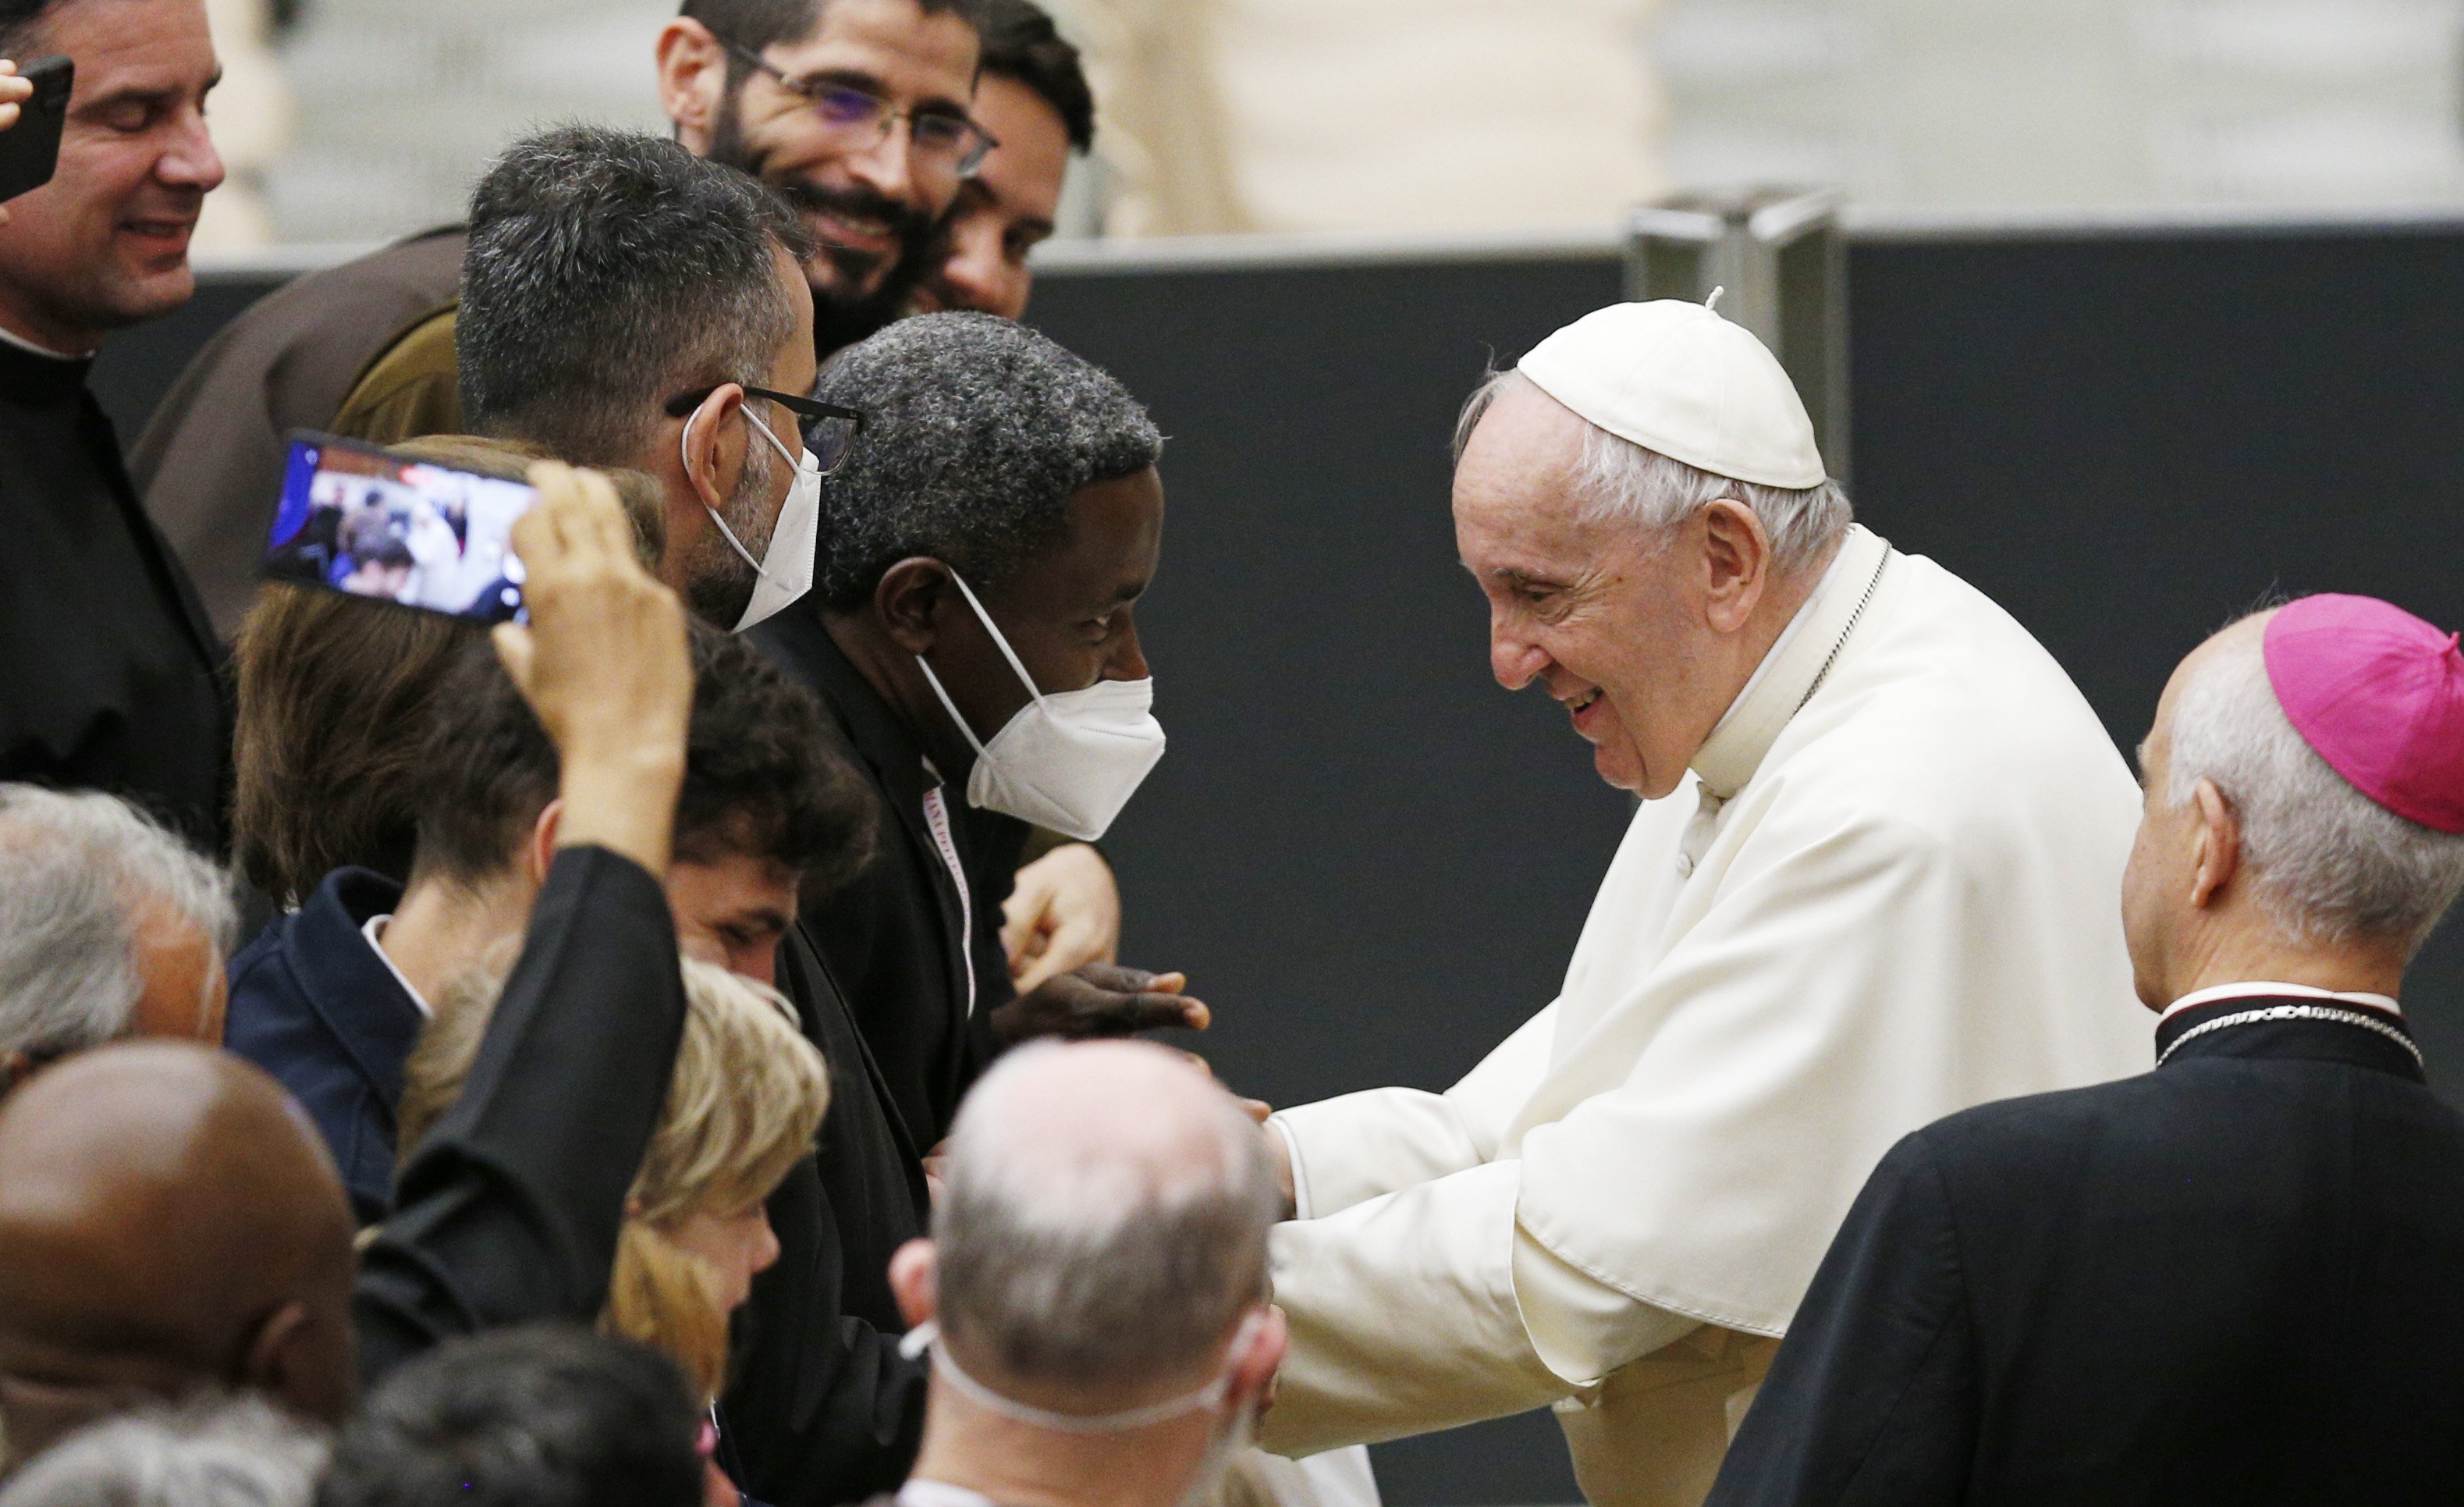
(1008, 652)
(928, 1336)
(684, 451)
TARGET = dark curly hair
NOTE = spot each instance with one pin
(978, 434)
(761, 776)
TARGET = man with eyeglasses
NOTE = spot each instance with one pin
(857, 111)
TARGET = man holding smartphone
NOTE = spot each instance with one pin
(107, 664)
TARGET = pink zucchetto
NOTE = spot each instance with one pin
(2380, 694)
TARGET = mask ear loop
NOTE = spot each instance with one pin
(684, 452)
(1008, 652)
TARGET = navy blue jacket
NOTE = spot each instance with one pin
(313, 1003)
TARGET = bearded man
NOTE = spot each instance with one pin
(1871, 880)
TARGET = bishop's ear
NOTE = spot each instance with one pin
(2219, 845)
(909, 599)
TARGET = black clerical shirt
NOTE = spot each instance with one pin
(919, 957)
(108, 669)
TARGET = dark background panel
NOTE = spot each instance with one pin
(1373, 862)
(2127, 440)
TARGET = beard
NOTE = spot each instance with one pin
(844, 312)
(718, 583)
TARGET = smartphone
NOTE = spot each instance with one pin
(30, 149)
(355, 520)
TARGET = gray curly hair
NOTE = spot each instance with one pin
(977, 432)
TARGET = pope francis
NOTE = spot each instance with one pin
(1871, 881)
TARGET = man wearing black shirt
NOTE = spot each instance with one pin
(970, 630)
(107, 666)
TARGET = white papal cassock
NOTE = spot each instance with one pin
(1895, 899)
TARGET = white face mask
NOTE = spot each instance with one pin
(1068, 761)
(785, 572)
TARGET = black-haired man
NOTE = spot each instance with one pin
(540, 1416)
(330, 998)
(1033, 97)
(856, 110)
(107, 666)
(627, 304)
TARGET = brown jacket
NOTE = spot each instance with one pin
(210, 463)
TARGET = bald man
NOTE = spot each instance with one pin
(168, 1222)
(1096, 1288)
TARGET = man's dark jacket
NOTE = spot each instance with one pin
(313, 1003)
(822, 1409)
(109, 672)
(507, 1212)
(894, 936)
(2238, 1278)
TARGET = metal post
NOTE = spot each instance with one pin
(1778, 254)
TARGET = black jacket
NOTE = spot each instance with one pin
(900, 937)
(313, 1003)
(507, 1212)
(2238, 1278)
(109, 674)
(823, 1409)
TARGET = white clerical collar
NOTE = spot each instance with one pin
(921, 1493)
(374, 932)
(2264, 990)
(13, 338)
(1787, 674)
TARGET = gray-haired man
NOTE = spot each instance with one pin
(972, 632)
(110, 926)
(1096, 1291)
(2233, 1279)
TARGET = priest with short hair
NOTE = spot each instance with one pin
(2234, 1278)
(1871, 881)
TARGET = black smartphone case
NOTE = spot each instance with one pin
(30, 149)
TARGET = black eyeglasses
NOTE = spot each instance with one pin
(858, 119)
(829, 429)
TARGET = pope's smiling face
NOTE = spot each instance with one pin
(1615, 620)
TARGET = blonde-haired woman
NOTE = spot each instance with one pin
(746, 1098)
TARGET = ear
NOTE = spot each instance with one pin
(282, 1364)
(2219, 845)
(16, 1066)
(907, 600)
(1736, 557)
(1253, 1370)
(692, 81)
(714, 449)
(540, 856)
(914, 1281)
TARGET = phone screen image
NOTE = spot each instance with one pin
(355, 520)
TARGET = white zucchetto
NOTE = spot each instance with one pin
(1675, 377)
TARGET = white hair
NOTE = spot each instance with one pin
(78, 870)
(211, 1452)
(2329, 864)
(1624, 481)
(1100, 1259)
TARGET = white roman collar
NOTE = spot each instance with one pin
(921, 1493)
(2264, 990)
(1788, 672)
(13, 338)
(374, 932)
